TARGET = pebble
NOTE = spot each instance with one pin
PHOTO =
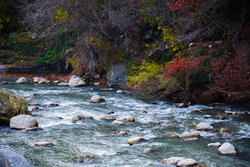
(107, 118)
(129, 119)
(191, 139)
(190, 134)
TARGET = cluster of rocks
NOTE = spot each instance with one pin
(73, 82)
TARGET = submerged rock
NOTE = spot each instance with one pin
(97, 99)
(81, 117)
(76, 81)
(122, 133)
(85, 159)
(107, 118)
(10, 106)
(106, 89)
(148, 150)
(191, 139)
(134, 140)
(23, 122)
(10, 158)
(204, 126)
(129, 119)
(217, 144)
(45, 144)
(190, 134)
(21, 80)
(32, 129)
(227, 149)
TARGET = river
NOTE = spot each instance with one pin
(96, 138)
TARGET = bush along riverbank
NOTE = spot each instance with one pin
(183, 50)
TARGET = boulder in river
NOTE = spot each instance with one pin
(134, 140)
(129, 119)
(190, 134)
(216, 144)
(186, 162)
(119, 91)
(10, 158)
(182, 105)
(21, 80)
(23, 122)
(76, 81)
(227, 149)
(117, 123)
(97, 99)
(204, 126)
(81, 117)
(148, 150)
(173, 160)
(10, 106)
(107, 118)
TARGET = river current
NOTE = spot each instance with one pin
(97, 138)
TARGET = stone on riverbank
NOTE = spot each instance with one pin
(63, 84)
(10, 158)
(76, 81)
(217, 144)
(97, 99)
(81, 117)
(134, 140)
(204, 126)
(190, 134)
(45, 144)
(21, 80)
(40, 80)
(23, 122)
(10, 106)
(227, 149)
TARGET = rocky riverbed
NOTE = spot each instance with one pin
(75, 131)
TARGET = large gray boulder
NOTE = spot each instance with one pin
(10, 158)
(117, 75)
(76, 81)
(10, 106)
(227, 149)
(23, 122)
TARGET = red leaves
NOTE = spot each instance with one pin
(231, 75)
(181, 6)
(181, 67)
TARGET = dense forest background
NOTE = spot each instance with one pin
(188, 50)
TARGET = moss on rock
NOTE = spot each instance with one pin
(10, 106)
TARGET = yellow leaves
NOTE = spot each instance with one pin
(61, 15)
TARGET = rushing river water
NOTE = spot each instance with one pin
(93, 137)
